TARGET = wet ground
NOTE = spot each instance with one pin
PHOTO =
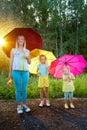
(53, 118)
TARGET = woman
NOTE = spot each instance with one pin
(19, 71)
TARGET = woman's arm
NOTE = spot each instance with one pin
(11, 62)
(28, 57)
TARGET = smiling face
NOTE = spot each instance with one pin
(21, 41)
(42, 59)
(66, 71)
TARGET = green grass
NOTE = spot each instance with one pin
(55, 90)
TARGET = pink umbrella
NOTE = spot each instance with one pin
(77, 64)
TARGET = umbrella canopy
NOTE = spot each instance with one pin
(77, 64)
(38, 52)
(33, 39)
(35, 59)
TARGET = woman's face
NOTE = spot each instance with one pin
(21, 40)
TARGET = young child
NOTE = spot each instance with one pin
(43, 84)
(68, 86)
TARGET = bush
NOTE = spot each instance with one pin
(55, 89)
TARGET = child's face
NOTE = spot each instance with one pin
(21, 40)
(42, 59)
(66, 71)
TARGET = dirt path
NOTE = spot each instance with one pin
(53, 118)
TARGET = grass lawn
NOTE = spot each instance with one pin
(8, 92)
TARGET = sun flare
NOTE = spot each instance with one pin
(2, 41)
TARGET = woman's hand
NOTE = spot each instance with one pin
(26, 56)
(10, 75)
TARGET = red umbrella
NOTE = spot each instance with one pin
(33, 39)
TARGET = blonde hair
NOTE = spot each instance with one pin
(42, 56)
(17, 46)
(66, 67)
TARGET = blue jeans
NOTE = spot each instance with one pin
(68, 95)
(21, 80)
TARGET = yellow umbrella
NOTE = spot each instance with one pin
(35, 59)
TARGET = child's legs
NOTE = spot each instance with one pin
(70, 97)
(66, 94)
(24, 83)
(41, 93)
(17, 80)
(47, 93)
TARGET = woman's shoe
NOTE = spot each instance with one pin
(26, 108)
(41, 104)
(48, 103)
(72, 106)
(66, 106)
(19, 109)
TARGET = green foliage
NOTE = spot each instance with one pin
(61, 23)
(81, 86)
(55, 89)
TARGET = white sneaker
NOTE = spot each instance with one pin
(66, 106)
(48, 103)
(19, 109)
(26, 108)
(41, 104)
(71, 105)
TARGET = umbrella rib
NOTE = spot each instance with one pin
(70, 58)
(75, 68)
(75, 62)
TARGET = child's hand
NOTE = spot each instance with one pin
(9, 82)
(69, 79)
(38, 73)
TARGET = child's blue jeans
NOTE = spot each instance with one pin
(21, 80)
(68, 95)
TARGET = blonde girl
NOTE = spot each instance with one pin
(43, 83)
(19, 71)
(68, 86)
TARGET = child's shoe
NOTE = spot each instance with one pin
(26, 108)
(41, 103)
(71, 105)
(66, 106)
(48, 103)
(19, 109)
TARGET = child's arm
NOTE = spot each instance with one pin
(72, 77)
(48, 67)
(65, 78)
(38, 70)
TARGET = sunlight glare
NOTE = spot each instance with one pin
(2, 41)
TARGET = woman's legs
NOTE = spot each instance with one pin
(24, 83)
(17, 80)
